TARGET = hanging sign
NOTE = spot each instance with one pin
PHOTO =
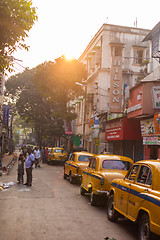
(116, 85)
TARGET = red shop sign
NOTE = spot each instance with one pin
(115, 133)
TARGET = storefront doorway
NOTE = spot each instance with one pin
(154, 153)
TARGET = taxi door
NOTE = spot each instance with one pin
(91, 179)
(123, 190)
(68, 166)
(139, 191)
(86, 174)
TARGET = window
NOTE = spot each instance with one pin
(72, 157)
(145, 175)
(133, 172)
(84, 158)
(58, 151)
(114, 164)
(92, 163)
(138, 56)
(118, 51)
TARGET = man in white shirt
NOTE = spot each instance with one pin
(37, 156)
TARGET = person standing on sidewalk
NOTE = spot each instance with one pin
(20, 169)
(29, 163)
(37, 156)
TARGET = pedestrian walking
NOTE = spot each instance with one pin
(29, 164)
(43, 152)
(37, 156)
(20, 169)
(46, 156)
(105, 151)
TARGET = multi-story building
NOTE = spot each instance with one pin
(113, 59)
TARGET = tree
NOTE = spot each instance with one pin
(143, 71)
(58, 81)
(42, 95)
(16, 19)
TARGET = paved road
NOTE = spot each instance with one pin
(52, 209)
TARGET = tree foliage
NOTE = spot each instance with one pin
(16, 19)
(42, 95)
(143, 71)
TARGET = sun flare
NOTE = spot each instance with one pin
(69, 56)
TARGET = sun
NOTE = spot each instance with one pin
(69, 56)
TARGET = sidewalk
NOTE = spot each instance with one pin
(7, 163)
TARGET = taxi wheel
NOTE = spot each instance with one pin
(71, 179)
(144, 228)
(65, 175)
(93, 199)
(82, 190)
(112, 214)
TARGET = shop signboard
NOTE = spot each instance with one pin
(116, 85)
(151, 141)
(115, 133)
(148, 127)
(156, 97)
(157, 123)
(97, 141)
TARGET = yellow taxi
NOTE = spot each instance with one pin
(77, 162)
(102, 169)
(57, 155)
(49, 154)
(137, 197)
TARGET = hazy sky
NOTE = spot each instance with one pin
(67, 26)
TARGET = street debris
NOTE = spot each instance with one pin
(4, 186)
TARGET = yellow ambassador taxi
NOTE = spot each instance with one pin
(57, 155)
(77, 162)
(102, 169)
(137, 197)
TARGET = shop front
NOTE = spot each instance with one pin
(124, 138)
(151, 137)
(144, 104)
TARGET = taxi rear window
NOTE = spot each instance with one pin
(114, 164)
(84, 158)
(58, 150)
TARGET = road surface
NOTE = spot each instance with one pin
(53, 209)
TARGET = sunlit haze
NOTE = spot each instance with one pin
(66, 27)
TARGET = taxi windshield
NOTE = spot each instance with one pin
(115, 164)
(84, 158)
(58, 150)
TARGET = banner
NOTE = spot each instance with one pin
(1, 83)
(6, 114)
(67, 128)
(157, 123)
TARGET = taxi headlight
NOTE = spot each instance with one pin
(102, 181)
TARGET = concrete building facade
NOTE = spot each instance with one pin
(113, 59)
